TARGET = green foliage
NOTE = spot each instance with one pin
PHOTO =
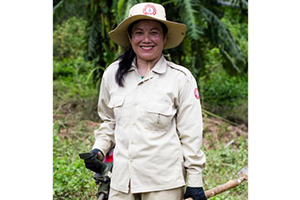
(74, 74)
(222, 38)
(71, 180)
(65, 9)
(223, 165)
(214, 50)
(224, 161)
(69, 39)
(223, 89)
(240, 33)
(222, 93)
(227, 96)
(74, 88)
(189, 16)
(204, 20)
(216, 41)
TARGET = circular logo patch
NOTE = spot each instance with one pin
(196, 93)
(149, 10)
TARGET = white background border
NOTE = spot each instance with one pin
(26, 99)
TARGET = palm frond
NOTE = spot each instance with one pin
(65, 9)
(120, 9)
(123, 12)
(226, 4)
(229, 63)
(220, 35)
(241, 4)
(59, 11)
(189, 17)
(58, 6)
(93, 35)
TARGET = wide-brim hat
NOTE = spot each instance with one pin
(153, 11)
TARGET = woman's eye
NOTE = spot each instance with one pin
(138, 32)
(154, 33)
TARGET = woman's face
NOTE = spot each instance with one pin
(147, 40)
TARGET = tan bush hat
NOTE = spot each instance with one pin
(176, 31)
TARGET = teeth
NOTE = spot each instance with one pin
(146, 48)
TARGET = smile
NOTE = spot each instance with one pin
(147, 48)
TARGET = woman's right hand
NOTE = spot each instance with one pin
(94, 163)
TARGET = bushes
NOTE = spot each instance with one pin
(227, 96)
(74, 90)
(71, 180)
(224, 89)
(222, 93)
(69, 39)
(72, 74)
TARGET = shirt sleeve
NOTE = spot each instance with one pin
(104, 136)
(189, 128)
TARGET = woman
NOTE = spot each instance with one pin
(151, 113)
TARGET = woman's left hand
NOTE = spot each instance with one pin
(196, 193)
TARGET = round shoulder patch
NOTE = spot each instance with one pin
(196, 93)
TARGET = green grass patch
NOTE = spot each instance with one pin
(71, 180)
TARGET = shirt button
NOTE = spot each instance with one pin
(132, 142)
(133, 123)
(135, 104)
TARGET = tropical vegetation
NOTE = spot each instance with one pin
(215, 50)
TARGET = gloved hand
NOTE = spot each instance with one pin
(93, 163)
(196, 193)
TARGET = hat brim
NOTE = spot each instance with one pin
(175, 35)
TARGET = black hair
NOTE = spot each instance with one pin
(127, 57)
(124, 65)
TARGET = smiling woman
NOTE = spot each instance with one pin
(147, 41)
(151, 113)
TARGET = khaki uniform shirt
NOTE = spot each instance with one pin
(155, 124)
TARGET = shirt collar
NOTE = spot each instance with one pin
(160, 67)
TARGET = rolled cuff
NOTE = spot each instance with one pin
(194, 180)
(103, 146)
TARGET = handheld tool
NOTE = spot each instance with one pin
(102, 178)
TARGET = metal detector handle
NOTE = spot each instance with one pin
(222, 188)
(101, 196)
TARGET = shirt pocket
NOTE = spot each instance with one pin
(159, 116)
(116, 103)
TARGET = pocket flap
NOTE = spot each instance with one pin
(116, 101)
(163, 109)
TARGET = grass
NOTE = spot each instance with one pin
(226, 149)
(71, 179)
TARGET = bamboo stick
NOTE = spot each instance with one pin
(222, 188)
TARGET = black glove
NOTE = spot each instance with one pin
(93, 163)
(196, 193)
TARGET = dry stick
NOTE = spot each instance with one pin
(219, 117)
(222, 188)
